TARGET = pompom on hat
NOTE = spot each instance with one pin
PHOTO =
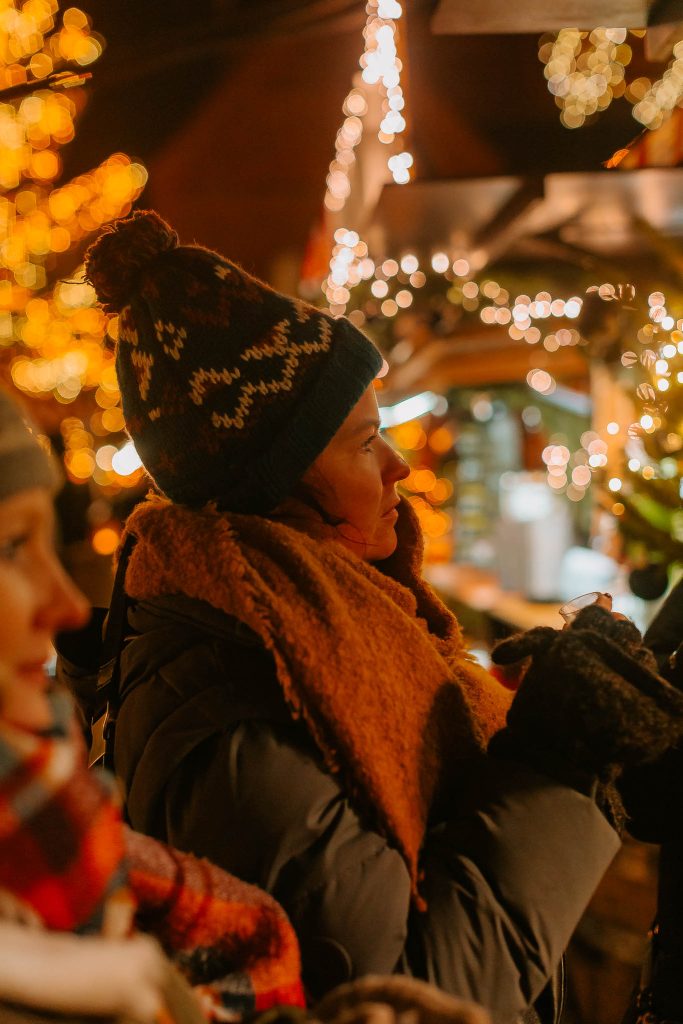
(23, 463)
(230, 390)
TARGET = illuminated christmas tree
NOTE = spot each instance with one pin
(55, 344)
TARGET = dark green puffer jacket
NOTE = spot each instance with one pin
(212, 762)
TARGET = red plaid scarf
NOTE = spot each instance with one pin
(65, 854)
(213, 924)
(61, 841)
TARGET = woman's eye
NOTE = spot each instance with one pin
(367, 444)
(9, 549)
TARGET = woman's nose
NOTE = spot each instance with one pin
(65, 607)
(398, 468)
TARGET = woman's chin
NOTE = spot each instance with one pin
(384, 547)
(382, 543)
(26, 707)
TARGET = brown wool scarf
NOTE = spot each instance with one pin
(372, 659)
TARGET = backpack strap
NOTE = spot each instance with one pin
(107, 695)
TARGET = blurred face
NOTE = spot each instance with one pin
(355, 478)
(37, 599)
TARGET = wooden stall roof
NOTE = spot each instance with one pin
(234, 107)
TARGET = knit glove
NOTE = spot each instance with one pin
(590, 703)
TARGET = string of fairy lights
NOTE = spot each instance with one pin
(658, 365)
(657, 370)
(53, 337)
(381, 69)
(548, 323)
(587, 70)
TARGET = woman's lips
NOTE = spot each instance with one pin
(33, 673)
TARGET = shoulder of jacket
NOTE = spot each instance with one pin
(198, 616)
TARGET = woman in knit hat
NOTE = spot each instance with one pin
(295, 702)
(75, 884)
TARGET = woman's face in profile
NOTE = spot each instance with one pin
(37, 599)
(355, 480)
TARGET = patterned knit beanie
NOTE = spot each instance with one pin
(23, 463)
(230, 390)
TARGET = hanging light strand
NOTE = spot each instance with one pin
(380, 69)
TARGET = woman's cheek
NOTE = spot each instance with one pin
(25, 708)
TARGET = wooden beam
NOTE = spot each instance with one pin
(479, 357)
(484, 217)
(461, 17)
(665, 29)
(507, 223)
(447, 213)
(468, 365)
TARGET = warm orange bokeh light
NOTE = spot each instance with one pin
(105, 540)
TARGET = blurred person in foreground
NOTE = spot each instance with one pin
(295, 702)
(76, 886)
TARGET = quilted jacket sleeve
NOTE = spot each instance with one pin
(505, 883)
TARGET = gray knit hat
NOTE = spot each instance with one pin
(23, 463)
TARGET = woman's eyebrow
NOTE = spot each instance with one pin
(361, 428)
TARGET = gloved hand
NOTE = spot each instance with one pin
(591, 700)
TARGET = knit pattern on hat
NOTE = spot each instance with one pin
(230, 390)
